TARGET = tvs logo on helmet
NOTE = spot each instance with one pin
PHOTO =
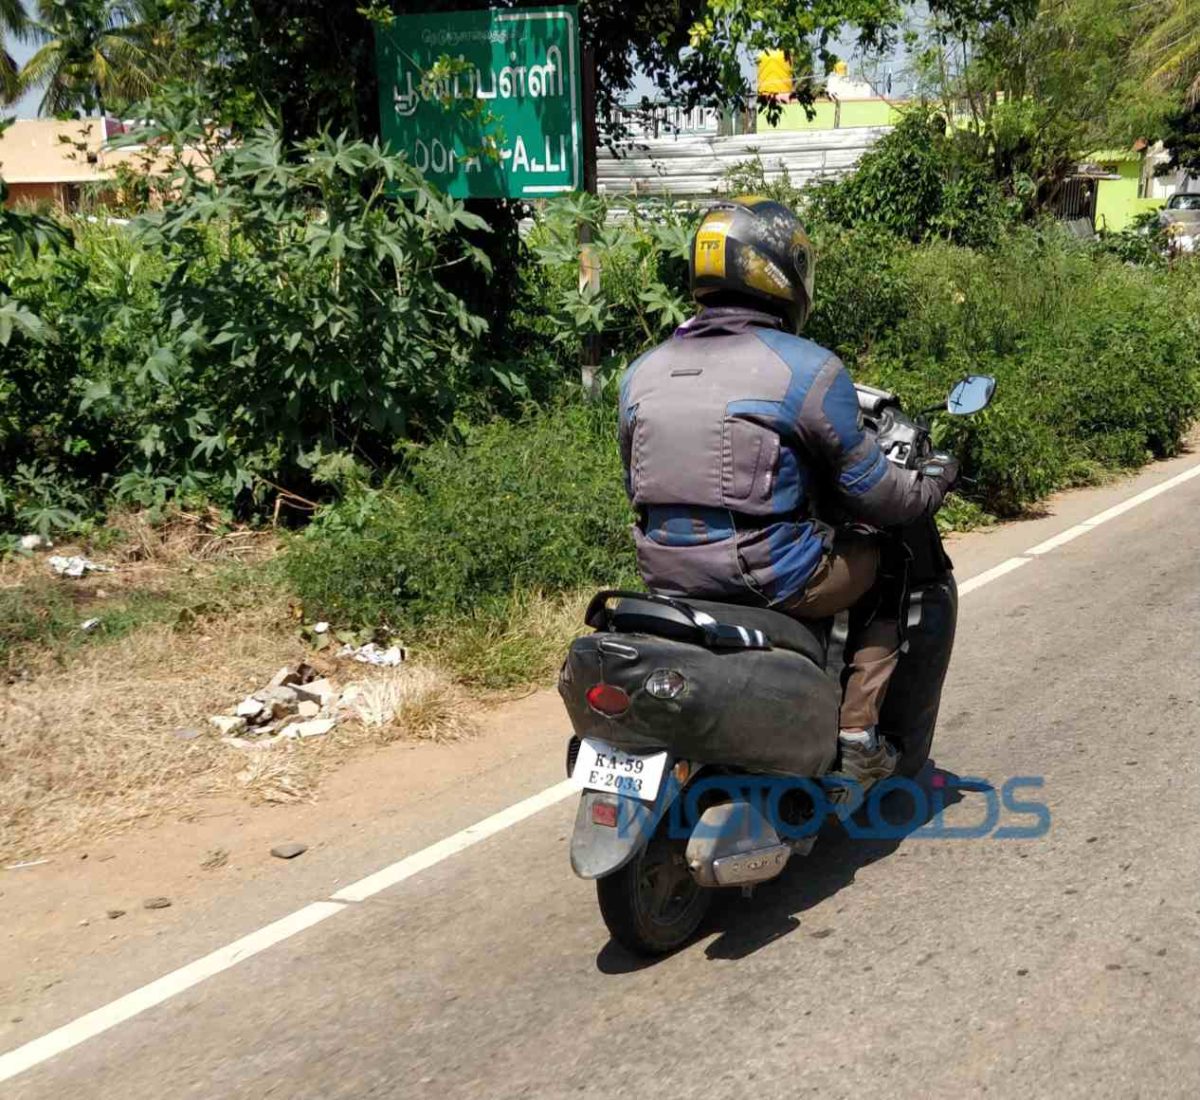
(709, 258)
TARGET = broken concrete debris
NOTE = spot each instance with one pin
(250, 708)
(227, 724)
(321, 692)
(296, 703)
(314, 727)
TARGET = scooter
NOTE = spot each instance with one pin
(705, 734)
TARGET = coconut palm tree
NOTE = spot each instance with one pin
(94, 53)
(1170, 49)
(14, 23)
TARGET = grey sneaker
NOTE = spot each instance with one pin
(866, 759)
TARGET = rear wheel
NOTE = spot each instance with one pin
(652, 905)
(914, 754)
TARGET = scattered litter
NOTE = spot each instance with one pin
(157, 903)
(26, 863)
(34, 542)
(289, 851)
(371, 654)
(114, 914)
(308, 709)
(76, 566)
(320, 628)
(84, 923)
(186, 734)
(88, 625)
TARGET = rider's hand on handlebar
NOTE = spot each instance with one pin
(942, 466)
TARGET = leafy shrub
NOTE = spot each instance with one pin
(1143, 242)
(285, 304)
(642, 249)
(921, 181)
(506, 508)
(1096, 360)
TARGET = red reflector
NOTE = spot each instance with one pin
(604, 813)
(608, 700)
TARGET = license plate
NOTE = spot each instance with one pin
(600, 767)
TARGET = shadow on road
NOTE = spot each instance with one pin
(747, 925)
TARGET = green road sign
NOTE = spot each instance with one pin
(500, 115)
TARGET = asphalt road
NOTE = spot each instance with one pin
(1064, 965)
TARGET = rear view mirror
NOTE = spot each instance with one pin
(971, 394)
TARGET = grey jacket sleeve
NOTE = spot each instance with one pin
(626, 416)
(869, 486)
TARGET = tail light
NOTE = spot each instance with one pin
(604, 813)
(610, 701)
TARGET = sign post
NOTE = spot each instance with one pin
(486, 104)
(589, 259)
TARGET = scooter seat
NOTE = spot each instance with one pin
(646, 617)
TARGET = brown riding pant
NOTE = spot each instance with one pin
(846, 574)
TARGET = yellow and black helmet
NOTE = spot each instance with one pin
(754, 250)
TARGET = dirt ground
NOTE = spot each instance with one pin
(57, 913)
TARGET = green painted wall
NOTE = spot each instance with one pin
(1117, 202)
(855, 112)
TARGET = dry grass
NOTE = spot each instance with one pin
(89, 729)
(510, 652)
(411, 703)
(89, 748)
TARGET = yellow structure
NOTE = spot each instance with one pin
(774, 73)
(45, 160)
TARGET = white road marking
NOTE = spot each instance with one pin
(1061, 539)
(1142, 497)
(148, 996)
(995, 573)
(125, 1008)
(443, 849)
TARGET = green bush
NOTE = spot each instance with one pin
(287, 303)
(1097, 361)
(922, 181)
(642, 249)
(536, 504)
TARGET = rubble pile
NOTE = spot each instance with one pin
(296, 703)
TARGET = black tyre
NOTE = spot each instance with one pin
(652, 905)
(914, 754)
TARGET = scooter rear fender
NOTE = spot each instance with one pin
(599, 850)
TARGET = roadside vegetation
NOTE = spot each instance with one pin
(294, 383)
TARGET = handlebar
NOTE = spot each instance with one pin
(904, 439)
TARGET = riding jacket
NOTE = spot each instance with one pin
(741, 443)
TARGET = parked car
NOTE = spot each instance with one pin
(1180, 219)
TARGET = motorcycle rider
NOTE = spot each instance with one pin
(750, 472)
